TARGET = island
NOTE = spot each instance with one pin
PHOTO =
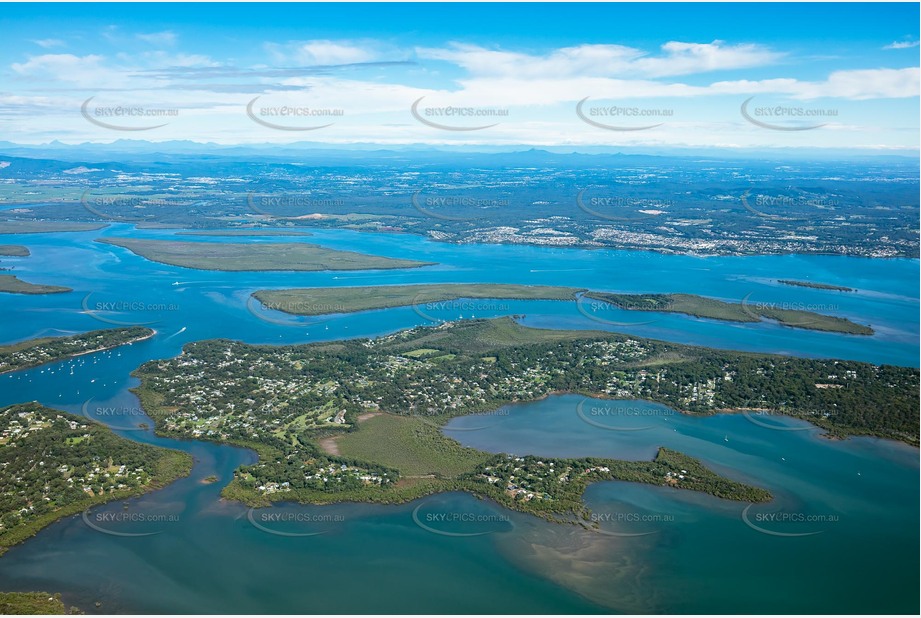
(57, 464)
(817, 286)
(33, 604)
(359, 420)
(35, 352)
(247, 232)
(318, 301)
(23, 226)
(744, 311)
(256, 256)
(14, 251)
(14, 285)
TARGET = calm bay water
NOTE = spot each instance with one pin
(699, 555)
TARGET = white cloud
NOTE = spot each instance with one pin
(689, 58)
(162, 60)
(158, 38)
(902, 44)
(857, 84)
(676, 58)
(48, 43)
(63, 67)
(322, 52)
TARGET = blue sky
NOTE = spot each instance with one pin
(814, 75)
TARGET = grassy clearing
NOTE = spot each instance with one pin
(14, 251)
(256, 257)
(41, 227)
(744, 311)
(14, 285)
(317, 301)
(415, 446)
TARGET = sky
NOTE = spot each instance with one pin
(723, 75)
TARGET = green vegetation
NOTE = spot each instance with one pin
(375, 408)
(317, 301)
(41, 227)
(413, 445)
(542, 485)
(15, 285)
(33, 604)
(818, 286)
(788, 314)
(57, 464)
(246, 232)
(256, 257)
(35, 352)
(14, 251)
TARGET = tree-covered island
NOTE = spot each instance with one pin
(359, 420)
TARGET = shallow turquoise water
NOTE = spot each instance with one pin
(212, 558)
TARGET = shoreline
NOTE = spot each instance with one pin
(76, 354)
